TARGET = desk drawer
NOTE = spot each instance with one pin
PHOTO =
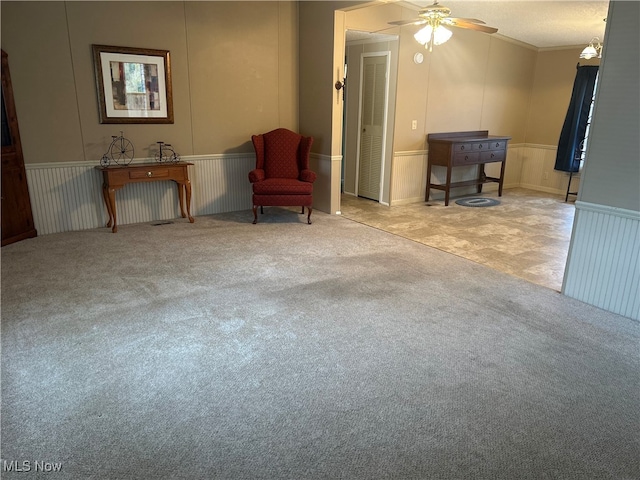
(497, 145)
(471, 147)
(469, 158)
(489, 156)
(462, 147)
(150, 173)
(480, 146)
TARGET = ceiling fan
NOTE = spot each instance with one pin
(436, 16)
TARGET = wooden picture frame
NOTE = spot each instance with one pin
(134, 84)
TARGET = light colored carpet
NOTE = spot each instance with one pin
(222, 349)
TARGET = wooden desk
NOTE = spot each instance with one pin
(463, 149)
(116, 177)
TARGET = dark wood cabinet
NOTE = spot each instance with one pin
(463, 149)
(17, 217)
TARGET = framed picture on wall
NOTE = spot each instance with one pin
(134, 84)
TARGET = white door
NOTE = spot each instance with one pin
(372, 124)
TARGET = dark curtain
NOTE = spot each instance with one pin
(575, 124)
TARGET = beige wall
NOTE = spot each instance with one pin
(551, 92)
(316, 75)
(44, 84)
(472, 82)
(234, 73)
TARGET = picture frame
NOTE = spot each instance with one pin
(134, 84)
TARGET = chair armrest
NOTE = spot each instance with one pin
(308, 176)
(256, 175)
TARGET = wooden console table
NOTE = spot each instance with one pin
(116, 177)
(463, 149)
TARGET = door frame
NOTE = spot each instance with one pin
(387, 55)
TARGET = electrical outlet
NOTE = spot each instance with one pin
(545, 176)
(414, 124)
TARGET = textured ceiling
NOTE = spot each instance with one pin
(541, 23)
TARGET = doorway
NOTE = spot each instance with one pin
(373, 114)
(369, 106)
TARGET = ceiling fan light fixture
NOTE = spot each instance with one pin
(439, 35)
(423, 36)
(593, 50)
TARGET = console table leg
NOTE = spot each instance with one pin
(111, 197)
(105, 196)
(187, 187)
(181, 189)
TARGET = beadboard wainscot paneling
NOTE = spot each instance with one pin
(603, 264)
(68, 196)
(538, 173)
(220, 183)
(408, 177)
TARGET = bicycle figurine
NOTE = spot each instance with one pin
(166, 154)
(120, 151)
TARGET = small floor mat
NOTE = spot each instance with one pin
(478, 202)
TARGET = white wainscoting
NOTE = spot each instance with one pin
(538, 173)
(603, 265)
(408, 177)
(68, 196)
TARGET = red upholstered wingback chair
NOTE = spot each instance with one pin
(282, 176)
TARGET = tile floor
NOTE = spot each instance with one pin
(527, 235)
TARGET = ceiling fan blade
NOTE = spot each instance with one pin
(415, 21)
(467, 20)
(473, 26)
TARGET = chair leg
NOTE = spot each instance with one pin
(309, 215)
(261, 209)
(302, 209)
(255, 214)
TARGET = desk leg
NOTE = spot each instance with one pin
(111, 207)
(482, 177)
(447, 187)
(504, 162)
(426, 194)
